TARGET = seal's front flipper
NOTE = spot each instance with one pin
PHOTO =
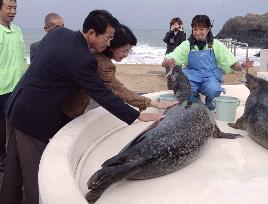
(134, 142)
(219, 134)
(105, 177)
(239, 124)
(139, 138)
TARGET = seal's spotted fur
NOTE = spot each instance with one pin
(167, 146)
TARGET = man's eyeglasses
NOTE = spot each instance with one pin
(107, 39)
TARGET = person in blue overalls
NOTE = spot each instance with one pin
(204, 59)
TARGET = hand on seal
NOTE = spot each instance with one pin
(247, 64)
(146, 117)
(163, 104)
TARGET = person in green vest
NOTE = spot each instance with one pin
(13, 63)
(204, 60)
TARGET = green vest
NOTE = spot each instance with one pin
(224, 57)
(13, 62)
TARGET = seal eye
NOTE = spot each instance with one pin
(244, 82)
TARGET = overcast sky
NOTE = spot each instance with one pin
(137, 14)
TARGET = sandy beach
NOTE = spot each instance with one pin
(144, 78)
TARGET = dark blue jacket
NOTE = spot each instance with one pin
(33, 49)
(173, 40)
(63, 65)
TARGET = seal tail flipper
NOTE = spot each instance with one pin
(105, 177)
(219, 134)
(119, 159)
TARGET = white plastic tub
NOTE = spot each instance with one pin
(228, 171)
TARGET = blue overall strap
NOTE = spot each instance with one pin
(202, 64)
(204, 75)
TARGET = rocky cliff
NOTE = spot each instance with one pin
(251, 29)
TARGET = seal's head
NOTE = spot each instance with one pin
(180, 83)
(251, 82)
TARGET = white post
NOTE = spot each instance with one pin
(263, 75)
(264, 60)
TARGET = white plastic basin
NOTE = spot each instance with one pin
(228, 171)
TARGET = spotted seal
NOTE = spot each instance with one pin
(255, 116)
(167, 146)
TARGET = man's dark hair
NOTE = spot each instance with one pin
(175, 20)
(2, 2)
(122, 36)
(99, 20)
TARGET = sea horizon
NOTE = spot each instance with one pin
(150, 48)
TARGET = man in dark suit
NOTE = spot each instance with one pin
(63, 64)
(52, 20)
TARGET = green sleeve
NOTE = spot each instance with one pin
(180, 53)
(24, 61)
(224, 57)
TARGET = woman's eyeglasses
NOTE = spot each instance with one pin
(127, 51)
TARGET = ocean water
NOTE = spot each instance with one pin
(149, 50)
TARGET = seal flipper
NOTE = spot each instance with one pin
(119, 159)
(141, 136)
(239, 124)
(219, 134)
(106, 176)
(122, 157)
(135, 141)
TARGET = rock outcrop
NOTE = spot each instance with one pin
(251, 29)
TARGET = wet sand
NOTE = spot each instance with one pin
(150, 78)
